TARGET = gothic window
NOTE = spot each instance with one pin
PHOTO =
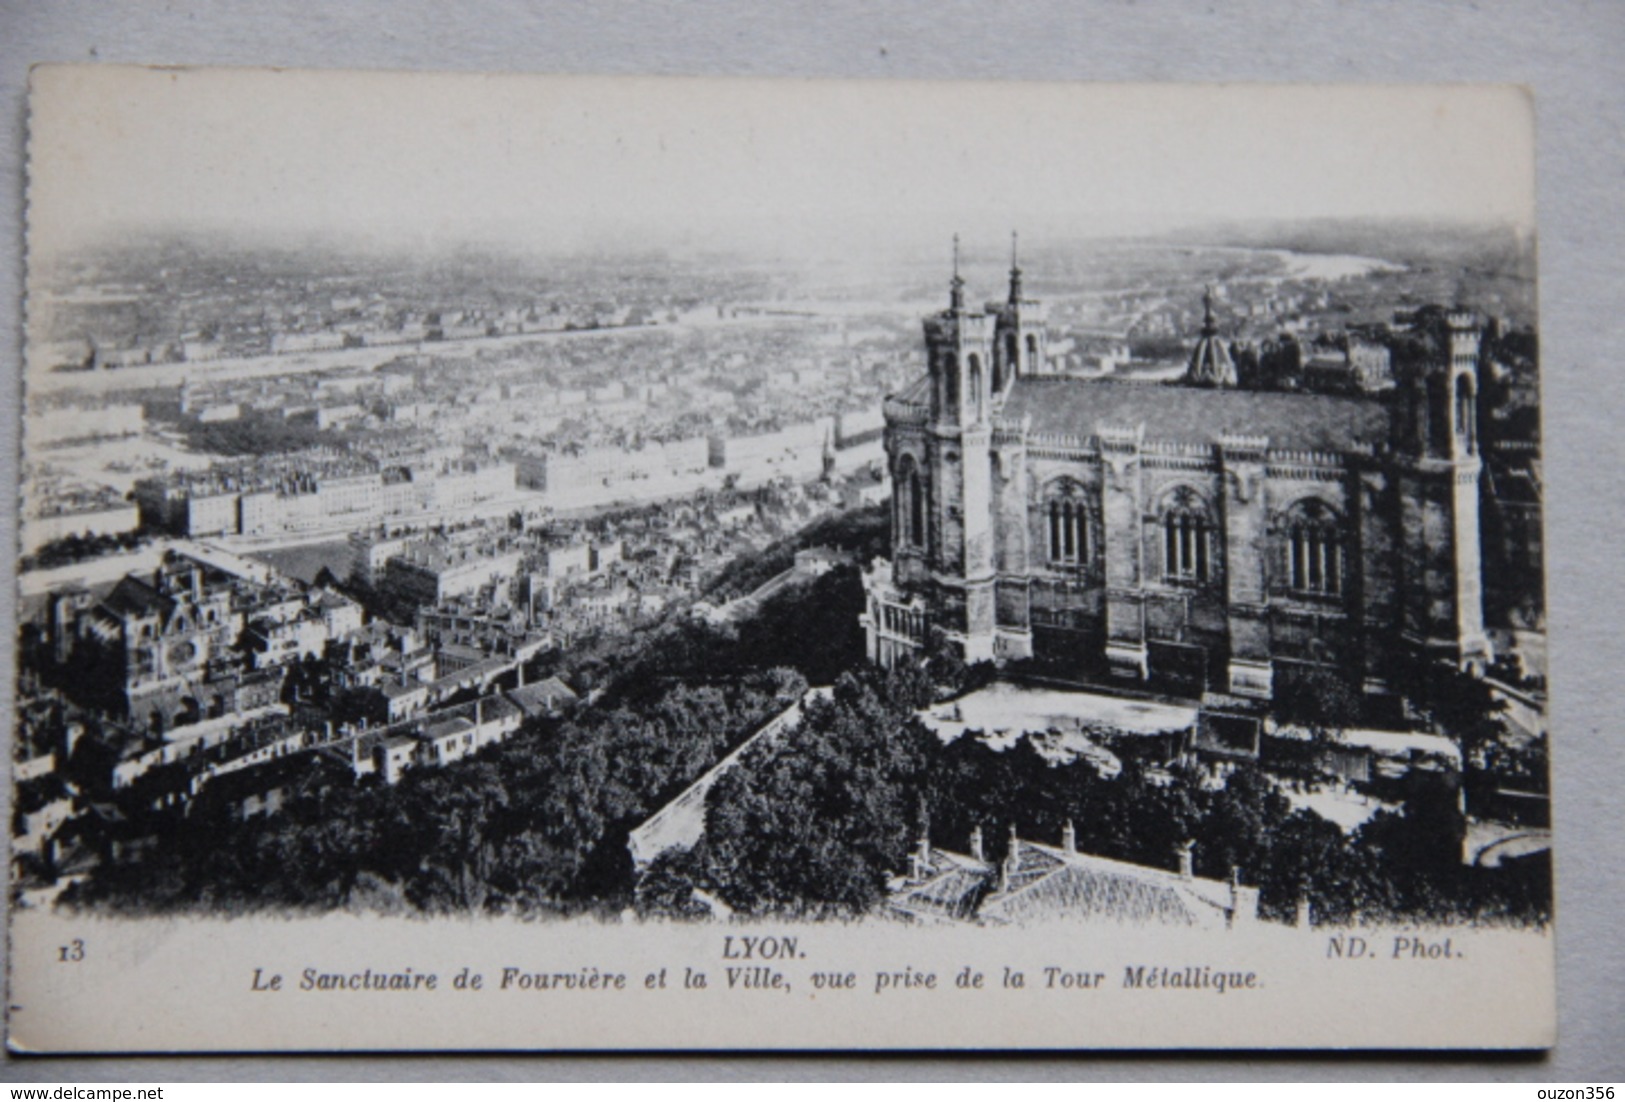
(1438, 417)
(910, 504)
(1187, 540)
(1012, 350)
(1066, 527)
(976, 383)
(1314, 550)
(1032, 349)
(1466, 415)
(950, 380)
(916, 510)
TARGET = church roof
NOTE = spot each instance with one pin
(133, 596)
(1305, 422)
(1211, 363)
(919, 391)
(1210, 360)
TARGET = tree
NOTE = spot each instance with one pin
(1309, 857)
(1467, 710)
(819, 819)
(1421, 841)
(1236, 831)
(666, 887)
(1459, 704)
(1322, 701)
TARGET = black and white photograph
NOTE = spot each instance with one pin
(606, 562)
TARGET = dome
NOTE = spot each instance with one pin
(1210, 363)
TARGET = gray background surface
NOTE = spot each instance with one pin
(1571, 53)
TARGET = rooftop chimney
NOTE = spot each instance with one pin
(1183, 851)
(1011, 863)
(921, 863)
(1243, 901)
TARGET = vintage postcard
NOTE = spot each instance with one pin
(580, 563)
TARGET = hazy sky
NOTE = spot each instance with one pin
(792, 164)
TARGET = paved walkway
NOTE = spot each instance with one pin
(1006, 711)
(1489, 844)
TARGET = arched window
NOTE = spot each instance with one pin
(1466, 414)
(916, 510)
(1012, 352)
(1032, 349)
(910, 504)
(1438, 416)
(1187, 540)
(1314, 550)
(1066, 521)
(976, 384)
(950, 380)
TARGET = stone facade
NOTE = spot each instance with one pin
(157, 650)
(1199, 533)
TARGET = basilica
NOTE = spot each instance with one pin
(1199, 534)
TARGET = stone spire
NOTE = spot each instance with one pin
(1015, 271)
(956, 286)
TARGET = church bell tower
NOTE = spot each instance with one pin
(1019, 337)
(1444, 605)
(959, 438)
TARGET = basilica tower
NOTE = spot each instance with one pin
(1441, 567)
(959, 432)
(1018, 335)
